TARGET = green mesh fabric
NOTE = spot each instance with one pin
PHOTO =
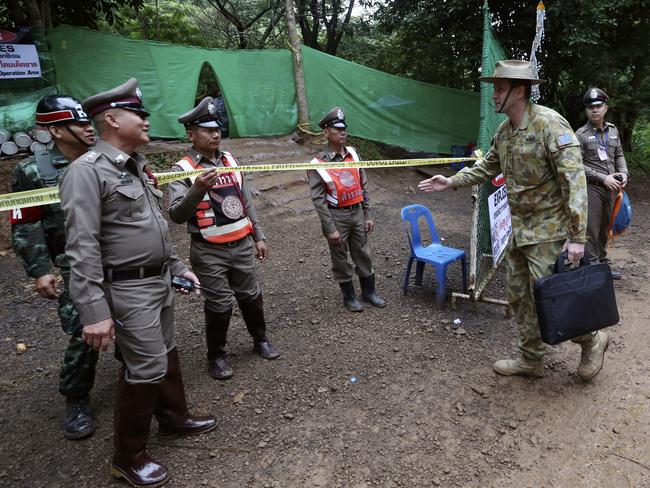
(259, 90)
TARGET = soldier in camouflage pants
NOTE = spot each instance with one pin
(539, 155)
(38, 239)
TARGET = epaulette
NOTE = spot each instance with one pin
(609, 124)
(90, 157)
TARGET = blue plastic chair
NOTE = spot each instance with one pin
(435, 253)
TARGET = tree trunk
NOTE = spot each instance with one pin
(301, 96)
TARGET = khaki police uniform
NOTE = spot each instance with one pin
(224, 227)
(349, 221)
(224, 270)
(116, 230)
(594, 143)
(121, 261)
(342, 203)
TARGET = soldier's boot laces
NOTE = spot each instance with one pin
(369, 292)
(78, 420)
(520, 366)
(593, 356)
(349, 298)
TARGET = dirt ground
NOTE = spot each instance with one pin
(425, 409)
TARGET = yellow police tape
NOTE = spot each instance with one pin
(50, 195)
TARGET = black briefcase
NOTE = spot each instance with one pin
(573, 302)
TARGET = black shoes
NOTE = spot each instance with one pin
(78, 420)
(349, 298)
(369, 293)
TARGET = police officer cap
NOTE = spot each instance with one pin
(60, 109)
(333, 118)
(203, 115)
(127, 96)
(595, 96)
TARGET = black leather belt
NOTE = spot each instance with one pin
(124, 274)
(196, 236)
(348, 207)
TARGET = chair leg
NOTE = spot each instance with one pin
(419, 272)
(407, 275)
(464, 264)
(441, 285)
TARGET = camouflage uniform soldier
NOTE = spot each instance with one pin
(606, 171)
(539, 155)
(38, 239)
(341, 201)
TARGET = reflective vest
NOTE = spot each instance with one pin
(343, 185)
(221, 214)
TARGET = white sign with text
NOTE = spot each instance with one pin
(19, 61)
(500, 221)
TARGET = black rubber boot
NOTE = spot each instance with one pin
(78, 419)
(216, 331)
(368, 292)
(134, 406)
(171, 409)
(349, 298)
(253, 314)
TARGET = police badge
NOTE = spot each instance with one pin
(138, 93)
(340, 115)
(212, 109)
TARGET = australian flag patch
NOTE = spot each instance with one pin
(564, 139)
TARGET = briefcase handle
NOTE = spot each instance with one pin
(560, 263)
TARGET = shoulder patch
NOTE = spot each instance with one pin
(564, 139)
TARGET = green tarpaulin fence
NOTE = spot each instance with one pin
(259, 89)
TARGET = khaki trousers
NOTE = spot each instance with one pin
(601, 203)
(350, 223)
(143, 311)
(225, 271)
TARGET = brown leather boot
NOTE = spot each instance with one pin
(171, 409)
(253, 314)
(134, 406)
(216, 331)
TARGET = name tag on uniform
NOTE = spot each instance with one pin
(602, 153)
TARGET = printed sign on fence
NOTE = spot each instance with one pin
(19, 61)
(500, 222)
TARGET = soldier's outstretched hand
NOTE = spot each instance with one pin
(46, 286)
(435, 183)
(99, 335)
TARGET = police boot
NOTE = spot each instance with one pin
(171, 410)
(520, 366)
(78, 418)
(368, 292)
(253, 314)
(216, 331)
(593, 356)
(134, 406)
(349, 298)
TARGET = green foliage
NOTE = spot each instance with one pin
(369, 150)
(604, 44)
(638, 159)
(166, 21)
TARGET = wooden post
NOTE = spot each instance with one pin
(301, 96)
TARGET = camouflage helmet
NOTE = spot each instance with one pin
(59, 110)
